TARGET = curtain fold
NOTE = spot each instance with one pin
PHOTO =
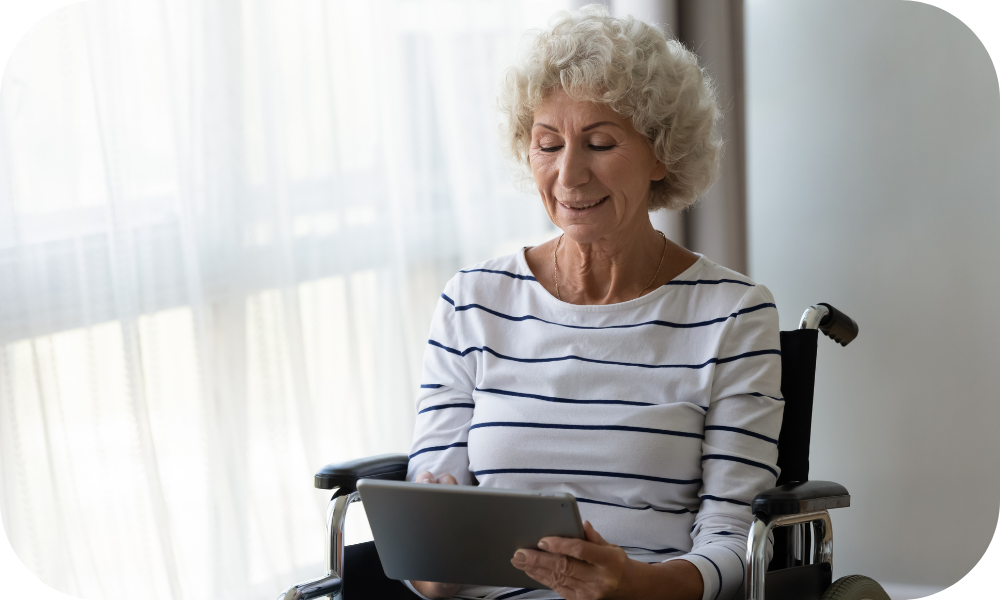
(223, 229)
(717, 226)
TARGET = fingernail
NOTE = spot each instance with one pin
(520, 558)
(543, 545)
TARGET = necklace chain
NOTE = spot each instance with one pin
(555, 265)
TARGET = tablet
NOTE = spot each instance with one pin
(462, 534)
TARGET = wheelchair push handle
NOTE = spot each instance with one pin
(833, 323)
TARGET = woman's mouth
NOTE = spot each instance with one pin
(584, 206)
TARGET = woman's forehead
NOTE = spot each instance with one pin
(558, 110)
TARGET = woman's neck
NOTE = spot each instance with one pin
(608, 270)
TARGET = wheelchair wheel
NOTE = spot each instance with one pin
(855, 587)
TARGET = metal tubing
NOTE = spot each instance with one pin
(803, 531)
(757, 545)
(757, 559)
(797, 546)
(812, 316)
(336, 513)
(823, 540)
(328, 586)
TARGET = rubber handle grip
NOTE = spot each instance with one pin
(838, 326)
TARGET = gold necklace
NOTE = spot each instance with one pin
(555, 265)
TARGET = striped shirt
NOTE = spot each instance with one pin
(660, 415)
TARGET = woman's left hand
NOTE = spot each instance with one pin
(590, 569)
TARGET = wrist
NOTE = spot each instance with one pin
(675, 579)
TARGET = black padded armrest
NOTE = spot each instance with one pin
(801, 497)
(345, 475)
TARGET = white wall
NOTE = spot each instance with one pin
(873, 143)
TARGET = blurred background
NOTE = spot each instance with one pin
(224, 225)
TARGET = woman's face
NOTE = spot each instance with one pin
(592, 168)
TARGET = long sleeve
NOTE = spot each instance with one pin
(444, 403)
(740, 450)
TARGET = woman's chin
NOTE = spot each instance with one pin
(584, 233)
(588, 225)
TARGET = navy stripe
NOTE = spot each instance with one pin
(723, 533)
(507, 273)
(759, 395)
(430, 386)
(653, 551)
(439, 448)
(742, 566)
(563, 400)
(716, 570)
(501, 315)
(748, 354)
(598, 361)
(587, 428)
(589, 473)
(720, 499)
(678, 511)
(743, 431)
(442, 406)
(707, 282)
(738, 459)
(515, 593)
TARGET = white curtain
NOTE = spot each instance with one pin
(223, 228)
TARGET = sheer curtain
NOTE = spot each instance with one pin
(223, 227)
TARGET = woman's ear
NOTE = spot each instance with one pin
(659, 171)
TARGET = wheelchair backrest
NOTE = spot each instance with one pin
(798, 378)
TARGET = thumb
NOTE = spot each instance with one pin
(592, 535)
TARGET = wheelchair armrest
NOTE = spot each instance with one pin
(345, 475)
(801, 497)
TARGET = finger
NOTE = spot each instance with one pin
(579, 549)
(561, 564)
(426, 477)
(448, 479)
(555, 571)
(592, 535)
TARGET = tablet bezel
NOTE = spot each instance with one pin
(462, 534)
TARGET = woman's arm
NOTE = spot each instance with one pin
(740, 449)
(444, 412)
(444, 402)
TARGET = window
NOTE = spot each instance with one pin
(223, 229)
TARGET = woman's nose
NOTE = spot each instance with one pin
(574, 171)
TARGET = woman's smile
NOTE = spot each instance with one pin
(582, 206)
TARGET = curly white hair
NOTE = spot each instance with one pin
(632, 67)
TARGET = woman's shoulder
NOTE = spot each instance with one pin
(502, 271)
(708, 279)
(705, 270)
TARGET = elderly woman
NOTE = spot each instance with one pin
(609, 362)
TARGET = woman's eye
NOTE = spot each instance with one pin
(600, 148)
(549, 148)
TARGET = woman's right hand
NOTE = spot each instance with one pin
(432, 589)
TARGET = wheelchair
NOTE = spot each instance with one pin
(796, 512)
